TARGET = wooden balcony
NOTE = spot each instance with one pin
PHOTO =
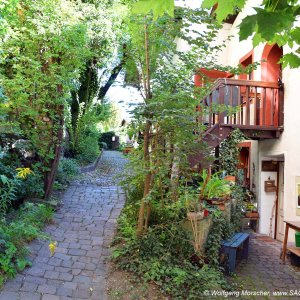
(256, 107)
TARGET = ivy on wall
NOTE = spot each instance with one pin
(229, 152)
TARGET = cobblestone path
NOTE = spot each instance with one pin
(83, 229)
(263, 271)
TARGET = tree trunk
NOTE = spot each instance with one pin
(49, 176)
(147, 185)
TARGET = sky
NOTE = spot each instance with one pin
(125, 98)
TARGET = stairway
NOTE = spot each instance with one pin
(214, 135)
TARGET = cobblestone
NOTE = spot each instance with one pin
(263, 271)
(83, 226)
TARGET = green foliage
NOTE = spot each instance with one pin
(224, 8)
(214, 186)
(84, 137)
(273, 22)
(88, 148)
(33, 184)
(221, 229)
(55, 53)
(8, 192)
(165, 253)
(238, 210)
(46, 47)
(14, 188)
(15, 235)
(37, 215)
(67, 170)
(163, 256)
(229, 152)
(157, 7)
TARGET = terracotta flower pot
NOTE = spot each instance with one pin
(195, 215)
(230, 178)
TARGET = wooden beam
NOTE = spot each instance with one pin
(247, 106)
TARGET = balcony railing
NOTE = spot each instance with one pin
(245, 104)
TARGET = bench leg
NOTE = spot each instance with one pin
(245, 248)
(232, 259)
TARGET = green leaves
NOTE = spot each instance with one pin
(295, 34)
(291, 60)
(158, 7)
(266, 23)
(274, 21)
(224, 8)
(247, 27)
(4, 179)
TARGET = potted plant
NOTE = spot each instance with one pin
(215, 190)
(193, 205)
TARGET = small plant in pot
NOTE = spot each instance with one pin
(214, 189)
(195, 213)
(193, 205)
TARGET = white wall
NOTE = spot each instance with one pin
(267, 205)
(288, 145)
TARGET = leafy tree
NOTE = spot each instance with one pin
(273, 22)
(46, 46)
(167, 117)
(104, 28)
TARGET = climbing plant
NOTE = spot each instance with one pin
(230, 151)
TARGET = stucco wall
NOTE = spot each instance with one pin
(288, 145)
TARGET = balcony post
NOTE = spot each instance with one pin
(281, 105)
(221, 103)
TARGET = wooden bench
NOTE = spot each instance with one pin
(231, 245)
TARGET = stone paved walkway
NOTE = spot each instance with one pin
(83, 228)
(263, 271)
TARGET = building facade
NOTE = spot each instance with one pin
(269, 103)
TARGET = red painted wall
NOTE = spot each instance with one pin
(245, 61)
(211, 75)
(271, 71)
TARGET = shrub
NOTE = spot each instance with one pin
(106, 137)
(88, 149)
(9, 188)
(103, 145)
(36, 214)
(164, 256)
(15, 235)
(14, 187)
(68, 169)
(33, 184)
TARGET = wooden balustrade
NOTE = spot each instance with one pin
(244, 103)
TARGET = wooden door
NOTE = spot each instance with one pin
(280, 210)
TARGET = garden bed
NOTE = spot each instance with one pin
(16, 232)
(122, 285)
